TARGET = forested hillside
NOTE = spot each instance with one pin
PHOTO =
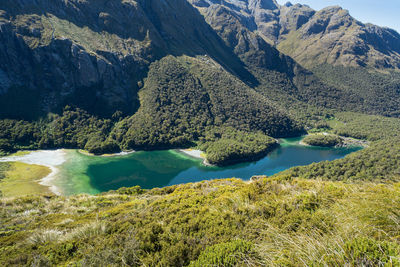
(355, 64)
(81, 74)
(380, 90)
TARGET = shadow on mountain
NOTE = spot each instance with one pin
(173, 27)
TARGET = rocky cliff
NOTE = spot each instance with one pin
(311, 37)
(93, 54)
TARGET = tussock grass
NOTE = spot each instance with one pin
(87, 231)
(281, 221)
(45, 236)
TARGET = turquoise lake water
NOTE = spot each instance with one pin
(91, 174)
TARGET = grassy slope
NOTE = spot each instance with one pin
(20, 179)
(284, 222)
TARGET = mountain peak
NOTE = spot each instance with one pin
(330, 35)
(263, 4)
(334, 8)
(288, 4)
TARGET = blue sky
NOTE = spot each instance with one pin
(379, 12)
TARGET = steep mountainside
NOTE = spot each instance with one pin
(332, 36)
(361, 60)
(92, 53)
(279, 76)
(312, 37)
(162, 79)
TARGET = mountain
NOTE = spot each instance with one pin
(91, 53)
(311, 37)
(84, 74)
(332, 36)
(362, 60)
(110, 75)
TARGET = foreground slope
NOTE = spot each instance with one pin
(271, 222)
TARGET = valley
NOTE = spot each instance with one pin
(235, 83)
(76, 173)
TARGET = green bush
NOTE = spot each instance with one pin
(369, 252)
(226, 254)
(136, 190)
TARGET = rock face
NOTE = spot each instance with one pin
(93, 54)
(96, 54)
(332, 36)
(312, 37)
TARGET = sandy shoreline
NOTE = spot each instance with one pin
(123, 153)
(48, 158)
(53, 159)
(195, 153)
(192, 152)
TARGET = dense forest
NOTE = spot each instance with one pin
(379, 162)
(182, 100)
(224, 146)
(322, 140)
(75, 128)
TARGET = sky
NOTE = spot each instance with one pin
(379, 12)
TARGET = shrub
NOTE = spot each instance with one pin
(369, 252)
(226, 254)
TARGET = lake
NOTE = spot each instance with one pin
(92, 174)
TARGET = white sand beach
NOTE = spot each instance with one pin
(193, 153)
(49, 158)
(196, 154)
